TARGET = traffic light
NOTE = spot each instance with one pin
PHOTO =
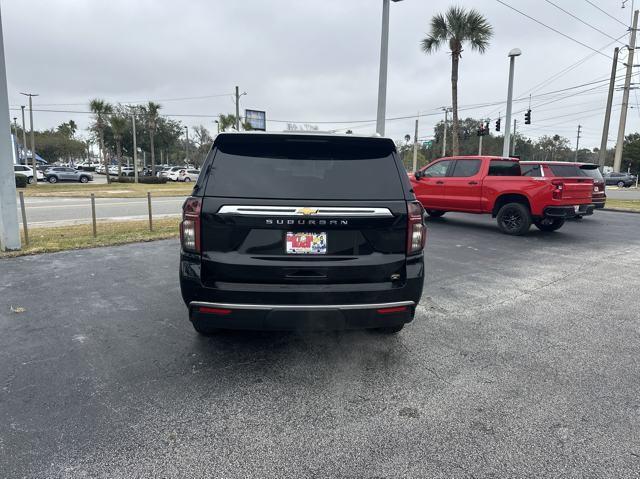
(527, 117)
(498, 124)
(486, 128)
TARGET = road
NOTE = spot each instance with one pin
(522, 361)
(56, 211)
(623, 193)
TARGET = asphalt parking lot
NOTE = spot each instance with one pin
(523, 361)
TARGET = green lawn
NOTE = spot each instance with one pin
(631, 205)
(48, 240)
(114, 190)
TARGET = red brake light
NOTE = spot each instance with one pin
(558, 188)
(396, 309)
(416, 230)
(218, 311)
(190, 226)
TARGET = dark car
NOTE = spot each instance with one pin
(301, 231)
(622, 180)
(567, 169)
(64, 173)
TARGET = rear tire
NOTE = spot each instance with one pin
(621, 184)
(514, 219)
(30, 180)
(53, 179)
(83, 179)
(549, 224)
(204, 329)
(187, 179)
(435, 213)
(390, 329)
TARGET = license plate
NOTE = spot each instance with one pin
(306, 243)
(576, 208)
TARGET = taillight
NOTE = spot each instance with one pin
(558, 188)
(190, 226)
(416, 230)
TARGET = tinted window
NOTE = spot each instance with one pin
(437, 170)
(193, 172)
(504, 168)
(465, 168)
(591, 172)
(565, 171)
(531, 170)
(280, 166)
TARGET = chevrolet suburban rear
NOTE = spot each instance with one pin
(301, 231)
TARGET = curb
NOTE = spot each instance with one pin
(618, 210)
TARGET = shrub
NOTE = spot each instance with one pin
(21, 181)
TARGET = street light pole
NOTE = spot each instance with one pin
(444, 136)
(135, 148)
(507, 128)
(186, 145)
(33, 138)
(24, 135)
(9, 230)
(384, 57)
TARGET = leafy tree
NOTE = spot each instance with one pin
(228, 122)
(118, 126)
(101, 111)
(631, 153)
(151, 111)
(203, 141)
(455, 28)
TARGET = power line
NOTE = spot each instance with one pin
(582, 21)
(553, 29)
(144, 101)
(607, 14)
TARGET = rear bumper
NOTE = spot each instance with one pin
(568, 211)
(300, 306)
(301, 317)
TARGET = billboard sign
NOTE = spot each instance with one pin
(256, 118)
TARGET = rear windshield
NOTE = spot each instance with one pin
(283, 167)
(591, 172)
(566, 170)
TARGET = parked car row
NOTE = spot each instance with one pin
(53, 174)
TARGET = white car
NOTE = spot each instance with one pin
(184, 174)
(27, 171)
(173, 169)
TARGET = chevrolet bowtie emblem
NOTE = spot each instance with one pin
(307, 211)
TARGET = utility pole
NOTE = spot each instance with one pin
(382, 79)
(33, 138)
(9, 230)
(625, 96)
(607, 116)
(507, 124)
(186, 145)
(237, 113)
(513, 143)
(135, 148)
(415, 148)
(24, 135)
(480, 138)
(444, 137)
(577, 143)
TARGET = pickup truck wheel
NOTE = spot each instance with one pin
(514, 219)
(549, 224)
(435, 213)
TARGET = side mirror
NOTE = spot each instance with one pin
(418, 174)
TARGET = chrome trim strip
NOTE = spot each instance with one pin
(248, 210)
(299, 307)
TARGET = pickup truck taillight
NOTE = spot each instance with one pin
(558, 187)
(190, 226)
(416, 231)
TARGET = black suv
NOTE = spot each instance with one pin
(301, 231)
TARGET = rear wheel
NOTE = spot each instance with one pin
(202, 328)
(83, 179)
(30, 180)
(514, 219)
(549, 224)
(390, 329)
(620, 184)
(53, 179)
(435, 213)
(187, 179)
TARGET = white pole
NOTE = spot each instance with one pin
(9, 229)
(507, 126)
(444, 136)
(415, 148)
(382, 81)
(135, 148)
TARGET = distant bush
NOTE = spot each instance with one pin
(21, 181)
(148, 180)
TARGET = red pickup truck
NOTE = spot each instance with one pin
(495, 185)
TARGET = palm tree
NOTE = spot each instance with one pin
(151, 111)
(456, 27)
(119, 125)
(101, 110)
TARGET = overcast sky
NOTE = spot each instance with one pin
(307, 61)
